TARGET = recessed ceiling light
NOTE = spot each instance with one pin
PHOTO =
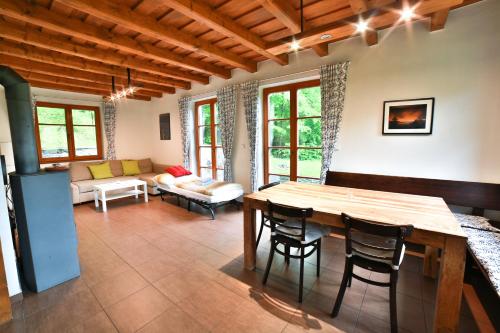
(407, 14)
(295, 45)
(362, 26)
(325, 36)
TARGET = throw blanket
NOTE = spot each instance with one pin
(216, 187)
(484, 240)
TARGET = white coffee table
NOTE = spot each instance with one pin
(121, 189)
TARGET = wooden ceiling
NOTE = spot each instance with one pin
(78, 45)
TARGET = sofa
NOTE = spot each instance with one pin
(82, 181)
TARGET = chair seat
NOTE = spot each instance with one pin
(384, 256)
(313, 231)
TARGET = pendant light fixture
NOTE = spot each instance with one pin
(128, 91)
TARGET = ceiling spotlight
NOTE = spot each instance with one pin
(325, 36)
(362, 26)
(295, 45)
(407, 14)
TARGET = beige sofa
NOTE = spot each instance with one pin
(82, 182)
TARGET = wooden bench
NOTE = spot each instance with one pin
(478, 196)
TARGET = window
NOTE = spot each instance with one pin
(208, 140)
(67, 132)
(292, 132)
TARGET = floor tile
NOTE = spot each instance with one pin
(135, 311)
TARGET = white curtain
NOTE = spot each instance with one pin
(333, 83)
(227, 103)
(186, 129)
(110, 129)
(250, 94)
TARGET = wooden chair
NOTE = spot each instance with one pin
(263, 217)
(375, 247)
(288, 227)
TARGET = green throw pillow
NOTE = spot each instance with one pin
(130, 167)
(101, 171)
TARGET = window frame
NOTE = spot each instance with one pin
(213, 135)
(70, 133)
(294, 117)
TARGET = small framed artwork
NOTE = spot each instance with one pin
(410, 116)
(165, 126)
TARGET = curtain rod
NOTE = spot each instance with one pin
(212, 93)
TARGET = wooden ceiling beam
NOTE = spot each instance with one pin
(127, 18)
(54, 58)
(438, 19)
(70, 73)
(91, 91)
(358, 6)
(342, 30)
(203, 13)
(39, 39)
(284, 11)
(78, 83)
(38, 15)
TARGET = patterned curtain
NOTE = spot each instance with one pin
(250, 93)
(109, 129)
(333, 83)
(185, 115)
(227, 103)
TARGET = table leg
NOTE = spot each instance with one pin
(96, 198)
(136, 194)
(431, 262)
(249, 234)
(449, 293)
(145, 192)
(104, 203)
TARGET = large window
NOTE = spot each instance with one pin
(67, 132)
(208, 140)
(292, 132)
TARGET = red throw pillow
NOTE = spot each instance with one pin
(177, 171)
(185, 171)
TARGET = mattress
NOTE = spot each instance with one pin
(169, 185)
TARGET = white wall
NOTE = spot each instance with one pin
(9, 257)
(459, 66)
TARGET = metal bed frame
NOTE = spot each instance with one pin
(211, 207)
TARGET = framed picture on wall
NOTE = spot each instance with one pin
(410, 116)
(165, 126)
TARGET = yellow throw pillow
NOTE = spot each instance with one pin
(130, 167)
(101, 171)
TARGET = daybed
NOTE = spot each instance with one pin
(205, 193)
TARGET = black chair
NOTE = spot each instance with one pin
(375, 247)
(289, 228)
(263, 218)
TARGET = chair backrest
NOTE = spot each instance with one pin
(263, 187)
(393, 234)
(279, 215)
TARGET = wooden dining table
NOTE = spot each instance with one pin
(434, 226)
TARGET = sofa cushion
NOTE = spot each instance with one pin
(116, 167)
(85, 186)
(148, 178)
(130, 167)
(145, 165)
(101, 170)
(79, 171)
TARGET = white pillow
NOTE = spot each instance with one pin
(164, 179)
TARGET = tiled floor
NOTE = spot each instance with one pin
(157, 268)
